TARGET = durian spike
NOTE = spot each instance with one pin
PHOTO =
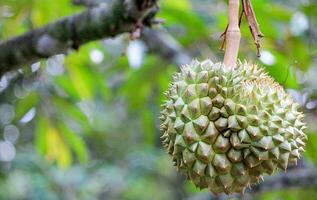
(233, 35)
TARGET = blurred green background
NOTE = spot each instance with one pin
(85, 125)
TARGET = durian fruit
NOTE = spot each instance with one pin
(226, 128)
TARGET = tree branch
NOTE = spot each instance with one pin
(157, 41)
(105, 20)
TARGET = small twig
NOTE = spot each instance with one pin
(223, 35)
(253, 24)
(136, 33)
(240, 18)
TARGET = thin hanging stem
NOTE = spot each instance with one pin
(253, 24)
(248, 12)
(233, 35)
(223, 35)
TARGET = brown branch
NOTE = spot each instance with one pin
(158, 42)
(105, 20)
(253, 24)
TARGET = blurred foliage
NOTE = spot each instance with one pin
(85, 125)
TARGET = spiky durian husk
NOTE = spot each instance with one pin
(226, 128)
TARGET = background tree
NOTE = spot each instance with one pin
(84, 124)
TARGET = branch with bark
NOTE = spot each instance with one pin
(158, 42)
(105, 20)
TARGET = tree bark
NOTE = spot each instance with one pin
(158, 41)
(106, 20)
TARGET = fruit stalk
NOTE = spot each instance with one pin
(233, 35)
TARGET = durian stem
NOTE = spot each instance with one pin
(233, 35)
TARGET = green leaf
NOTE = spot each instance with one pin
(46, 11)
(184, 5)
(179, 14)
(289, 194)
(57, 149)
(40, 138)
(283, 71)
(75, 142)
(139, 83)
(51, 144)
(70, 109)
(24, 105)
(311, 147)
(67, 86)
(82, 74)
(148, 126)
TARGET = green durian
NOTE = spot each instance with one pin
(226, 128)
